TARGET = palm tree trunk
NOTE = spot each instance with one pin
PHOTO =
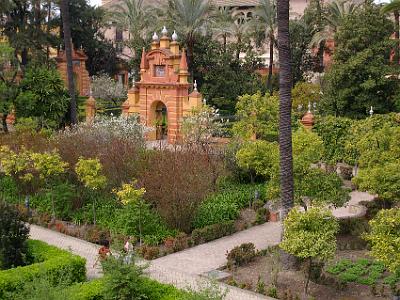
(271, 63)
(396, 35)
(285, 109)
(68, 50)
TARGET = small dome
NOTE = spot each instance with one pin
(155, 37)
(174, 36)
(164, 31)
(308, 120)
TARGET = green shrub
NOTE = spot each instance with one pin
(9, 190)
(241, 255)
(134, 220)
(50, 262)
(212, 232)
(226, 204)
(13, 235)
(62, 194)
(92, 290)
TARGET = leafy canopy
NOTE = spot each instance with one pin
(43, 97)
(89, 173)
(359, 77)
(384, 238)
(258, 116)
(310, 234)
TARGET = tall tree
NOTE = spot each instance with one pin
(68, 51)
(266, 14)
(336, 12)
(359, 77)
(222, 26)
(285, 107)
(190, 19)
(8, 85)
(137, 18)
(23, 23)
(394, 6)
(87, 24)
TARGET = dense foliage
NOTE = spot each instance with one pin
(55, 265)
(43, 97)
(310, 235)
(13, 235)
(258, 116)
(384, 238)
(360, 77)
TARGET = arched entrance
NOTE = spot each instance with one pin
(160, 120)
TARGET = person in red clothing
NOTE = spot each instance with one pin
(104, 252)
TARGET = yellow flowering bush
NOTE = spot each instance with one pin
(129, 194)
(48, 164)
(17, 165)
(89, 173)
(384, 238)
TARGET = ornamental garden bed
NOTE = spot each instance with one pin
(56, 265)
(351, 275)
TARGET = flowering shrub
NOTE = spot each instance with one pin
(202, 125)
(107, 91)
(128, 193)
(89, 173)
(17, 165)
(48, 164)
(108, 128)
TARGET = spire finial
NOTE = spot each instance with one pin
(205, 101)
(183, 64)
(155, 37)
(309, 106)
(195, 85)
(164, 31)
(371, 112)
(174, 36)
(143, 61)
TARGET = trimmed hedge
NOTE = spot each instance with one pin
(212, 232)
(93, 290)
(56, 265)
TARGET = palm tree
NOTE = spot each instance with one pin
(266, 15)
(285, 107)
(337, 11)
(134, 16)
(239, 29)
(223, 24)
(68, 51)
(189, 18)
(394, 6)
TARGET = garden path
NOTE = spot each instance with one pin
(353, 208)
(182, 269)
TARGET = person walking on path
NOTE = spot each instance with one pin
(104, 252)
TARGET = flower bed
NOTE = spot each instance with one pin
(50, 262)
